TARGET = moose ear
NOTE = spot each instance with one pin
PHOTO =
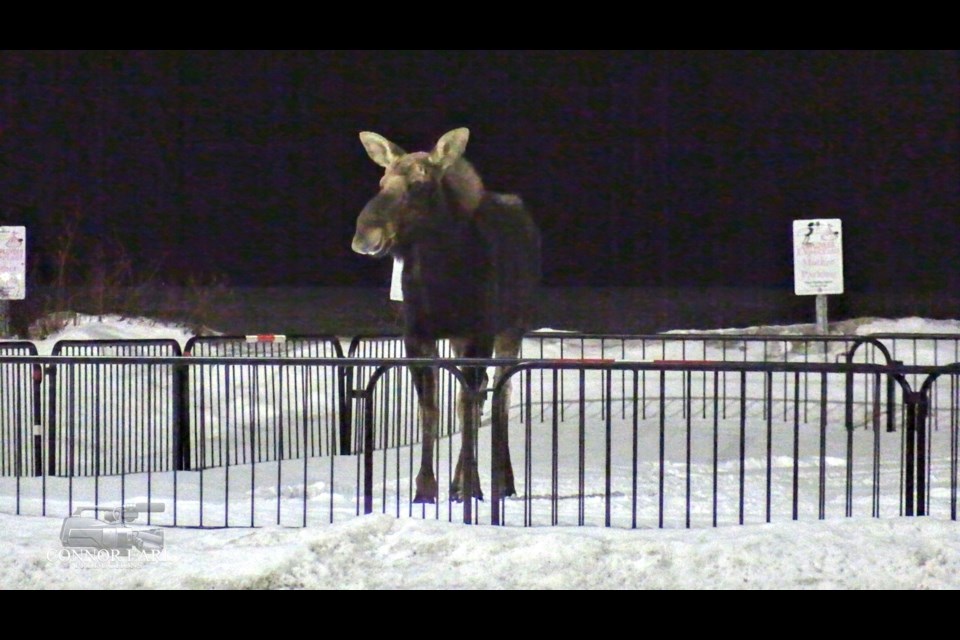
(380, 150)
(450, 147)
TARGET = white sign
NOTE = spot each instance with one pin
(817, 257)
(13, 263)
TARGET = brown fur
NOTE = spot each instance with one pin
(471, 264)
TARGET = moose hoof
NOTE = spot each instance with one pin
(426, 489)
(456, 495)
(508, 491)
(506, 484)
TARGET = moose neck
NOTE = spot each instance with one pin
(444, 273)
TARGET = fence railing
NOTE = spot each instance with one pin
(611, 442)
(105, 420)
(395, 396)
(20, 412)
(865, 470)
(221, 397)
(911, 349)
(213, 400)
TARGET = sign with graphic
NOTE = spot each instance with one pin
(13, 263)
(817, 257)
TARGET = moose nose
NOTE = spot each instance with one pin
(368, 241)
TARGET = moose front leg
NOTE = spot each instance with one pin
(425, 382)
(466, 478)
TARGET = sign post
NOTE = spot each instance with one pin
(818, 262)
(13, 271)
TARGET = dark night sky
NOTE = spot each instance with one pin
(642, 167)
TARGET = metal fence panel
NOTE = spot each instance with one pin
(241, 413)
(611, 442)
(20, 430)
(113, 419)
(395, 395)
(732, 459)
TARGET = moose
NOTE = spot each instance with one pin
(471, 267)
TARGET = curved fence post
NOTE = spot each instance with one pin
(914, 446)
(916, 463)
(891, 400)
(923, 406)
(923, 464)
(911, 399)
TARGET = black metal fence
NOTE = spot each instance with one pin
(20, 430)
(239, 414)
(394, 395)
(243, 432)
(105, 420)
(733, 458)
(910, 349)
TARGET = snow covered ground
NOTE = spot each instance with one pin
(384, 551)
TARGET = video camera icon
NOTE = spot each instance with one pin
(112, 533)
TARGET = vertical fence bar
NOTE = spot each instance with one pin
(848, 400)
(822, 488)
(95, 384)
(581, 448)
(954, 433)
(923, 404)
(468, 430)
(344, 386)
(182, 447)
(796, 445)
(526, 419)
(875, 498)
(743, 442)
(37, 422)
(52, 421)
(636, 450)
(688, 410)
(662, 446)
(608, 448)
(911, 402)
(768, 415)
(716, 447)
(848, 478)
(368, 447)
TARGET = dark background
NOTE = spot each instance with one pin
(672, 169)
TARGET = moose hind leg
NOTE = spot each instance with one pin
(425, 382)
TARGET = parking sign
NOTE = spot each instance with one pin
(13, 263)
(817, 257)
